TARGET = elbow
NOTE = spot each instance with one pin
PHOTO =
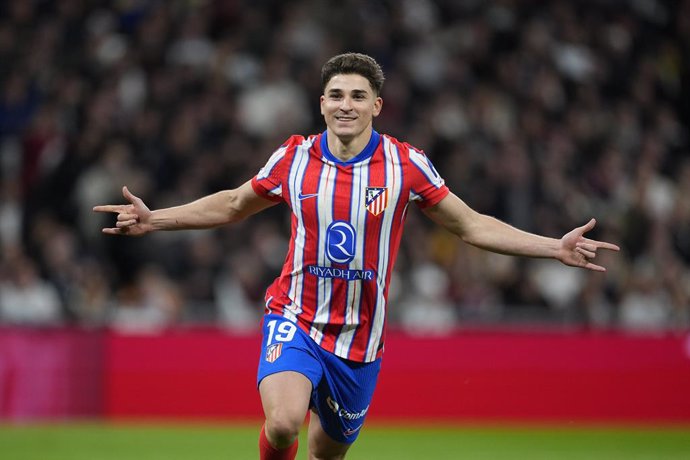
(468, 233)
(238, 206)
(233, 208)
(459, 230)
(467, 238)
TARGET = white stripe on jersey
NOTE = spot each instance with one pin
(422, 162)
(297, 169)
(271, 163)
(394, 181)
(358, 218)
(324, 211)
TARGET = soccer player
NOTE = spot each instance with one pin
(348, 189)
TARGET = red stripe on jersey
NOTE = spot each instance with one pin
(342, 204)
(307, 200)
(342, 305)
(377, 178)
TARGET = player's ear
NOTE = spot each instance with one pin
(378, 105)
(322, 99)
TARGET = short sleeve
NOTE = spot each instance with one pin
(427, 187)
(268, 182)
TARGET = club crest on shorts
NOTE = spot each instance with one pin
(273, 352)
(376, 199)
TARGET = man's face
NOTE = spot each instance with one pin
(348, 105)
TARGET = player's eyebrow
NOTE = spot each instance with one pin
(354, 92)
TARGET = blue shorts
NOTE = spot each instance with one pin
(342, 389)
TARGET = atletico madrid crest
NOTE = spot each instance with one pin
(376, 199)
(273, 352)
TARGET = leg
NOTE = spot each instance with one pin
(322, 446)
(285, 399)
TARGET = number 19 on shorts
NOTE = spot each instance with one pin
(285, 331)
(278, 333)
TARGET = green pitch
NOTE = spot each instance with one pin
(238, 442)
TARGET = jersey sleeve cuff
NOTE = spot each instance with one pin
(435, 197)
(263, 192)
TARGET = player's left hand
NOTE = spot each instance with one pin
(578, 251)
(133, 219)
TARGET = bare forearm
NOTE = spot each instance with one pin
(211, 211)
(207, 212)
(491, 234)
(135, 218)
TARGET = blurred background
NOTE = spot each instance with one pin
(541, 113)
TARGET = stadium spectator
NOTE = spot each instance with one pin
(425, 309)
(238, 288)
(25, 298)
(592, 94)
(150, 303)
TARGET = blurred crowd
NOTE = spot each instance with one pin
(541, 113)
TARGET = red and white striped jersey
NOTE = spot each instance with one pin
(347, 220)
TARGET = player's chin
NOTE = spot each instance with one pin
(347, 133)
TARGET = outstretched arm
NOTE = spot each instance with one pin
(227, 206)
(491, 234)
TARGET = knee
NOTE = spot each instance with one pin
(282, 429)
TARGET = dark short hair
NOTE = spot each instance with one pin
(353, 63)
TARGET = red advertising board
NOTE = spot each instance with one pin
(489, 375)
(471, 375)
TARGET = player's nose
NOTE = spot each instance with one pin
(346, 104)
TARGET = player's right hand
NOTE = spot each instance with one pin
(132, 219)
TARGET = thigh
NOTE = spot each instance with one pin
(288, 372)
(285, 396)
(321, 445)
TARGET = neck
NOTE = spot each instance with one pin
(345, 149)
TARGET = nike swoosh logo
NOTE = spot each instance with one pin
(352, 431)
(308, 195)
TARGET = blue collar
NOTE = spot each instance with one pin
(367, 152)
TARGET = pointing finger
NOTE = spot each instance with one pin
(610, 246)
(112, 231)
(604, 245)
(109, 208)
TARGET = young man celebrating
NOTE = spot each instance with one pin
(348, 189)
